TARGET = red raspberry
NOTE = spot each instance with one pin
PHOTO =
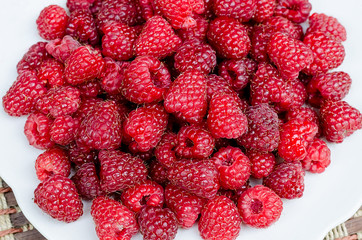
(51, 73)
(120, 170)
(90, 89)
(87, 181)
(78, 157)
(295, 136)
(113, 75)
(318, 157)
(157, 223)
(242, 10)
(64, 130)
(186, 97)
(297, 93)
(37, 131)
(199, 177)
(82, 27)
(58, 197)
(233, 167)
(198, 31)
(217, 85)
(83, 64)
(262, 163)
(165, 150)
(146, 80)
(52, 22)
(157, 39)
(194, 142)
(33, 58)
(157, 172)
(184, 205)
(219, 219)
(304, 113)
(339, 120)
(112, 219)
(295, 10)
(260, 207)
(319, 22)
(225, 118)
(147, 193)
(61, 49)
(59, 101)
(234, 194)
(281, 24)
(229, 38)
(79, 4)
(96, 6)
(264, 10)
(149, 9)
(85, 106)
(327, 53)
(21, 97)
(260, 38)
(54, 161)
(102, 128)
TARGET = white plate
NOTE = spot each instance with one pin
(329, 198)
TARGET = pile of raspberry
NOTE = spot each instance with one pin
(165, 109)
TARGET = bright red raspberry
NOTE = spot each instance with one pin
(102, 128)
(229, 38)
(113, 220)
(33, 58)
(61, 49)
(90, 89)
(319, 22)
(87, 182)
(264, 10)
(242, 10)
(260, 207)
(225, 118)
(21, 97)
(58, 197)
(295, 10)
(217, 85)
(82, 27)
(147, 193)
(165, 150)
(327, 53)
(262, 163)
(157, 39)
(59, 101)
(318, 157)
(113, 75)
(84, 64)
(157, 223)
(85, 106)
(186, 97)
(198, 31)
(157, 172)
(194, 142)
(52, 22)
(64, 130)
(51, 73)
(219, 219)
(339, 120)
(79, 4)
(37, 131)
(281, 24)
(78, 157)
(304, 113)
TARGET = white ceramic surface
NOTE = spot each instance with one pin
(329, 198)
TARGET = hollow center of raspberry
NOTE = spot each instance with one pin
(144, 199)
(232, 75)
(189, 143)
(228, 161)
(256, 206)
(156, 79)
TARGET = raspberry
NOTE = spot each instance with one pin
(264, 10)
(286, 180)
(112, 219)
(262, 164)
(319, 22)
(61, 49)
(37, 131)
(157, 39)
(120, 170)
(87, 181)
(281, 24)
(242, 10)
(339, 120)
(198, 31)
(194, 142)
(225, 118)
(83, 64)
(304, 113)
(199, 177)
(78, 157)
(165, 150)
(21, 97)
(158, 172)
(73, 5)
(295, 10)
(90, 89)
(260, 207)
(102, 128)
(58, 197)
(147, 193)
(157, 223)
(327, 53)
(219, 219)
(229, 38)
(263, 129)
(52, 22)
(113, 75)
(318, 157)
(51, 73)
(149, 9)
(217, 85)
(233, 167)
(187, 96)
(146, 80)
(59, 101)
(64, 130)
(33, 58)
(260, 38)
(85, 106)
(54, 161)
(82, 27)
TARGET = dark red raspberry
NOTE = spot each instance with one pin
(157, 223)
(186, 97)
(149, 9)
(263, 129)
(327, 53)
(242, 10)
(318, 157)
(102, 128)
(157, 39)
(264, 10)
(219, 219)
(96, 6)
(79, 4)
(194, 142)
(82, 27)
(54, 161)
(198, 31)
(260, 207)
(262, 163)
(85, 106)
(58, 197)
(61, 49)
(64, 129)
(52, 22)
(120, 170)
(158, 172)
(84, 64)
(90, 89)
(225, 118)
(78, 157)
(319, 22)
(51, 73)
(281, 24)
(295, 10)
(37, 131)
(113, 75)
(59, 101)
(165, 150)
(217, 85)
(229, 38)
(112, 219)
(297, 94)
(147, 193)
(260, 38)
(339, 120)
(33, 58)
(21, 97)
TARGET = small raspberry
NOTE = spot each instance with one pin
(82, 27)
(319, 22)
(78, 157)
(295, 10)
(113, 75)
(264, 10)
(260, 38)
(85, 106)
(318, 157)
(64, 130)
(281, 24)
(242, 10)
(54, 161)
(304, 113)
(158, 172)
(262, 164)
(51, 73)
(260, 207)
(79, 4)
(198, 31)
(149, 9)
(37, 131)
(58, 197)
(61, 49)
(165, 150)
(217, 85)
(33, 58)
(90, 89)
(52, 22)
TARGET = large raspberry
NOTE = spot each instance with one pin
(165, 150)
(61, 49)
(82, 27)
(37, 131)
(262, 164)
(242, 10)
(295, 10)
(52, 22)
(318, 156)
(319, 22)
